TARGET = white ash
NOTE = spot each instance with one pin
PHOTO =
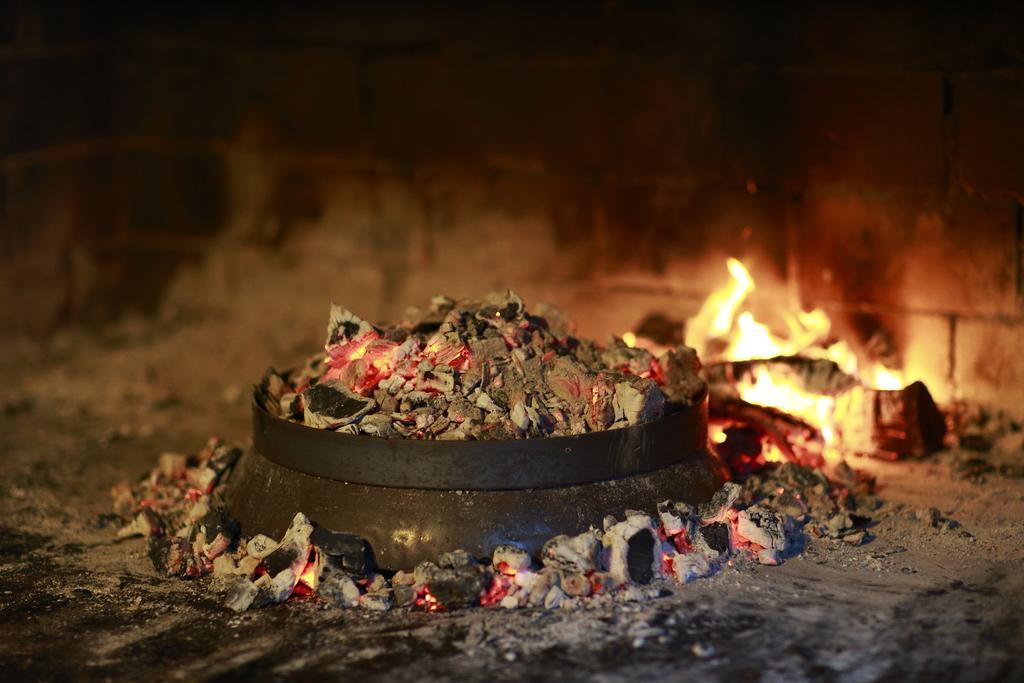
(338, 588)
(575, 554)
(241, 595)
(762, 526)
(259, 546)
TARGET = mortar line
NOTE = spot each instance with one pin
(1019, 229)
(951, 360)
(948, 134)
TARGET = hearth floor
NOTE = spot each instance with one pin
(914, 603)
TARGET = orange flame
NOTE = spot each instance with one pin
(722, 319)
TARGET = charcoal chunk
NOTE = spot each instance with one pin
(282, 558)
(338, 588)
(716, 535)
(270, 389)
(217, 522)
(349, 552)
(716, 509)
(638, 400)
(640, 556)
(223, 460)
(330, 404)
(343, 325)
(453, 586)
(762, 526)
(293, 552)
(681, 368)
(572, 554)
(456, 559)
(631, 550)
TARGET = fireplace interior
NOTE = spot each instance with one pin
(186, 189)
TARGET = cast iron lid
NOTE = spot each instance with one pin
(540, 462)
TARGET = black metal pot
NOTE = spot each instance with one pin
(413, 499)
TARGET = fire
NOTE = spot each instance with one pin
(722, 323)
(884, 378)
(764, 390)
(716, 315)
(309, 576)
(721, 319)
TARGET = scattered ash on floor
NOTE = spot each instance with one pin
(179, 508)
(932, 592)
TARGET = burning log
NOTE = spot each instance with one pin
(824, 402)
(814, 376)
(795, 440)
(797, 373)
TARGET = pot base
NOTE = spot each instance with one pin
(405, 526)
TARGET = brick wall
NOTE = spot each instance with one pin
(864, 158)
(55, 173)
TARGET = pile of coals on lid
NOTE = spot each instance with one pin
(478, 369)
(179, 508)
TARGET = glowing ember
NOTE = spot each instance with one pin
(501, 583)
(425, 601)
(717, 433)
(311, 574)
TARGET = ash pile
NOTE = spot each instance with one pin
(478, 369)
(179, 508)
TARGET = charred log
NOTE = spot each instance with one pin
(889, 423)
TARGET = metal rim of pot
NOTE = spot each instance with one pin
(494, 465)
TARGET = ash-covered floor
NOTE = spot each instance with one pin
(84, 410)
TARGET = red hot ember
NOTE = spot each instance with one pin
(191, 536)
(485, 369)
